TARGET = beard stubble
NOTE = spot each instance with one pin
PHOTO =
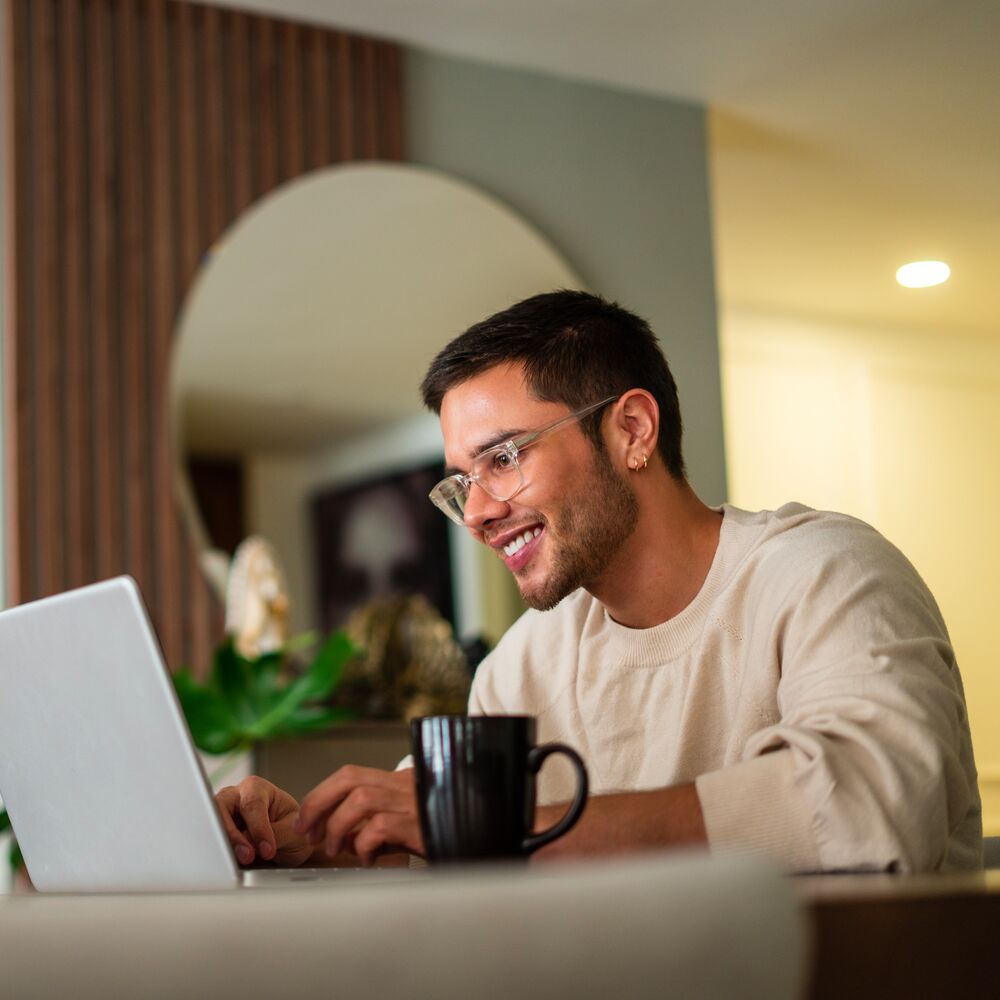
(587, 531)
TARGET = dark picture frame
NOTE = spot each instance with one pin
(381, 537)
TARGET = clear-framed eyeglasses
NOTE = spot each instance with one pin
(498, 469)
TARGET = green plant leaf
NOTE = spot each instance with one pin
(212, 725)
(325, 671)
(184, 681)
(265, 681)
(317, 682)
(233, 676)
(243, 701)
(14, 857)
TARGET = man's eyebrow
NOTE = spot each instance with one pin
(499, 438)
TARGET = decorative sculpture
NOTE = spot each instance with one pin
(411, 663)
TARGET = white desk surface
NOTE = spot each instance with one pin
(664, 925)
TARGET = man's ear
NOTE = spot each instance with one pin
(634, 429)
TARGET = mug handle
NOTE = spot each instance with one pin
(536, 757)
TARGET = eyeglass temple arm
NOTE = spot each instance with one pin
(523, 440)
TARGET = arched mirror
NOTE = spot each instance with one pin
(295, 399)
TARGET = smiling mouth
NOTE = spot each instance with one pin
(518, 543)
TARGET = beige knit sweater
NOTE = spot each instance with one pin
(810, 690)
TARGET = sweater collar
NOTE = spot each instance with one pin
(661, 643)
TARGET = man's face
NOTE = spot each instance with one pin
(574, 508)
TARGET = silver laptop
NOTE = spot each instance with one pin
(97, 767)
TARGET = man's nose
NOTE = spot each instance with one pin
(481, 508)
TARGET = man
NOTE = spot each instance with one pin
(778, 683)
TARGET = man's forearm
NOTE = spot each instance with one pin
(627, 822)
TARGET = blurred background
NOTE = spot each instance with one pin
(236, 234)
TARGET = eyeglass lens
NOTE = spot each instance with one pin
(451, 497)
(498, 472)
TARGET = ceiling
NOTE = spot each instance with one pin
(847, 136)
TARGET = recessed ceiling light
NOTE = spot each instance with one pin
(923, 273)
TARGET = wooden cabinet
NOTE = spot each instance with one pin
(297, 765)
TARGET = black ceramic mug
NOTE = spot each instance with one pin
(475, 779)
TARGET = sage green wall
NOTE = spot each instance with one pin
(617, 181)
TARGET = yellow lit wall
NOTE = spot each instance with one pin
(900, 428)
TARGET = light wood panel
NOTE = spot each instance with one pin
(139, 131)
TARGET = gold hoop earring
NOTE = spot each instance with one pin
(635, 463)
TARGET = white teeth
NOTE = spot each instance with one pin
(518, 543)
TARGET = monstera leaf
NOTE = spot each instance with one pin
(244, 701)
(14, 856)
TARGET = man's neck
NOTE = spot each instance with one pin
(663, 564)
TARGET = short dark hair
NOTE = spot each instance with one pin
(576, 348)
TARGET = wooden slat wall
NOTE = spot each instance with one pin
(139, 130)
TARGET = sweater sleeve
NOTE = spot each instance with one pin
(870, 764)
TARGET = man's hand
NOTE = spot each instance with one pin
(365, 811)
(259, 820)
